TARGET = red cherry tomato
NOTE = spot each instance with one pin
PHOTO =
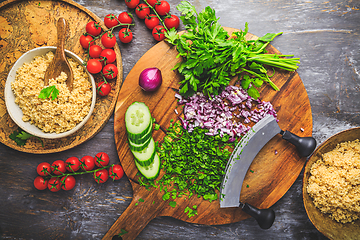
(151, 21)
(94, 66)
(108, 40)
(40, 183)
(108, 55)
(72, 164)
(87, 163)
(43, 169)
(103, 88)
(67, 182)
(163, 8)
(86, 41)
(101, 159)
(101, 176)
(54, 184)
(110, 71)
(125, 18)
(93, 28)
(142, 10)
(152, 2)
(132, 3)
(158, 32)
(172, 22)
(58, 167)
(116, 172)
(95, 51)
(125, 35)
(110, 20)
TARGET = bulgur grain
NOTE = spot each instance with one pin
(334, 182)
(61, 114)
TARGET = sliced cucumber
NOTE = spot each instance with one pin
(146, 156)
(138, 120)
(144, 138)
(152, 171)
(139, 146)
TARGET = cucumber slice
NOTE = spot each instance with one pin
(142, 139)
(152, 171)
(146, 156)
(138, 120)
(139, 146)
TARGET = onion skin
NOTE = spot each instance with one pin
(150, 79)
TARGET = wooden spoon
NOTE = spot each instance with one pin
(60, 63)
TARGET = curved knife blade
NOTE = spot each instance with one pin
(242, 157)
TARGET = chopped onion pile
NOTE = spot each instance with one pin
(223, 114)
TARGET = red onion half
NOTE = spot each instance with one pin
(150, 79)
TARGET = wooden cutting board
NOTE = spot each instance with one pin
(25, 25)
(271, 176)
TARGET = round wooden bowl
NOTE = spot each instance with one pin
(330, 228)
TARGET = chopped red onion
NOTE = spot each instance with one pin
(227, 113)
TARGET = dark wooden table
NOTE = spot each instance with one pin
(324, 34)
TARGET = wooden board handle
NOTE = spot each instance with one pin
(137, 215)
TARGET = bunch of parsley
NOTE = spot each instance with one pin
(211, 57)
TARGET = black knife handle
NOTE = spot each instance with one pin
(264, 217)
(304, 145)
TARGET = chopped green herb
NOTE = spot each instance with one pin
(252, 171)
(247, 186)
(191, 212)
(50, 91)
(122, 232)
(172, 204)
(141, 200)
(156, 126)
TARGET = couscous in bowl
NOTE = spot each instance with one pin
(324, 222)
(16, 107)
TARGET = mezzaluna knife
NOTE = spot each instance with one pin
(242, 157)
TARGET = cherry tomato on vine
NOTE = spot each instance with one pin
(101, 176)
(43, 169)
(54, 184)
(163, 8)
(72, 164)
(110, 71)
(101, 159)
(151, 21)
(87, 163)
(158, 32)
(125, 18)
(85, 40)
(58, 167)
(103, 88)
(125, 35)
(142, 10)
(67, 182)
(132, 3)
(108, 55)
(108, 40)
(152, 2)
(93, 28)
(94, 66)
(110, 20)
(116, 172)
(172, 21)
(40, 183)
(94, 51)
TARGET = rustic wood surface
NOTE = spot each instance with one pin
(29, 24)
(324, 34)
(294, 113)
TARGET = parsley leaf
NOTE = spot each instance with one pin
(50, 91)
(20, 137)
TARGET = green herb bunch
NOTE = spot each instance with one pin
(211, 58)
